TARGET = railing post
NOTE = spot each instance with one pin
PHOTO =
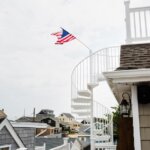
(65, 140)
(112, 135)
(44, 146)
(136, 123)
(91, 123)
(127, 20)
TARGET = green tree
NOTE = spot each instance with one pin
(116, 116)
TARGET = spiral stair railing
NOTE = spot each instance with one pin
(102, 123)
(85, 76)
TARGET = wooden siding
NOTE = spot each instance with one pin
(125, 141)
(144, 112)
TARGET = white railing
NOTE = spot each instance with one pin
(105, 147)
(102, 123)
(41, 147)
(106, 59)
(137, 23)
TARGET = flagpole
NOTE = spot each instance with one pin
(90, 50)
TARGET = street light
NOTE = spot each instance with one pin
(125, 106)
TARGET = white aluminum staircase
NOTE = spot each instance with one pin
(85, 77)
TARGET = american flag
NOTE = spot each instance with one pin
(63, 36)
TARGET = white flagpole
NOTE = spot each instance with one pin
(90, 50)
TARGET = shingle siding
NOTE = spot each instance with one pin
(27, 135)
(6, 139)
(135, 56)
(144, 112)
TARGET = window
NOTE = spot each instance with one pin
(5, 147)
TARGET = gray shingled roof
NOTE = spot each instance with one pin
(50, 142)
(25, 119)
(68, 115)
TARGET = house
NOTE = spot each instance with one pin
(25, 119)
(131, 81)
(83, 138)
(9, 138)
(45, 113)
(65, 117)
(70, 120)
(44, 117)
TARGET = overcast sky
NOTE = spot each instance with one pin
(34, 72)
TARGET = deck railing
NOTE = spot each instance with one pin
(137, 23)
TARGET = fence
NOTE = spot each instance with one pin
(137, 23)
(41, 147)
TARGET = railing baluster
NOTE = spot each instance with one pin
(140, 27)
(145, 22)
(134, 22)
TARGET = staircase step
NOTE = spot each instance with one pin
(92, 85)
(85, 93)
(82, 100)
(105, 138)
(82, 113)
(81, 107)
(101, 77)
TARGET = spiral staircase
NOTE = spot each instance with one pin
(85, 77)
(89, 72)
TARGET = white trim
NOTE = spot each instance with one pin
(9, 127)
(136, 123)
(128, 76)
(29, 125)
(6, 146)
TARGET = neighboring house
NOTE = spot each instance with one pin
(82, 141)
(45, 116)
(53, 123)
(85, 121)
(2, 114)
(45, 113)
(68, 118)
(9, 138)
(25, 119)
(81, 144)
(50, 128)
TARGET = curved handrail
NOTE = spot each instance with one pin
(103, 60)
(103, 120)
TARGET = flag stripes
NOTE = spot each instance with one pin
(63, 37)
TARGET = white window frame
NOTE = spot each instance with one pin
(5, 146)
